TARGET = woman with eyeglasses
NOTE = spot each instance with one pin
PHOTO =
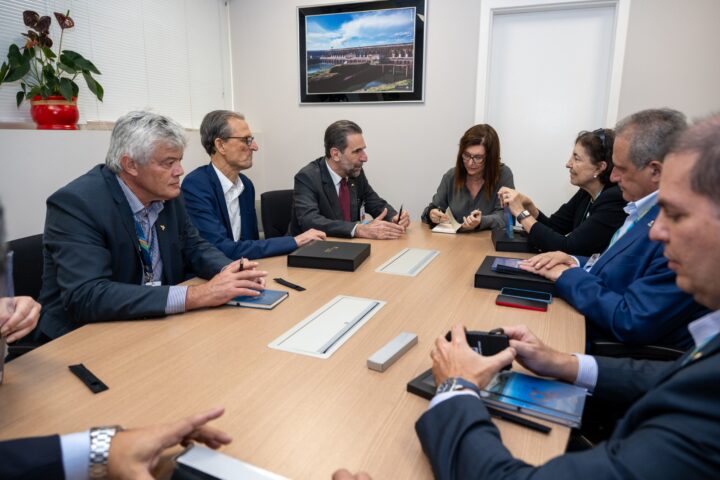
(586, 223)
(470, 188)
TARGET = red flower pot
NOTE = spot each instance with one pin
(54, 113)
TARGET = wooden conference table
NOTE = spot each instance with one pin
(295, 415)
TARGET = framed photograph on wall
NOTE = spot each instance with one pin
(362, 52)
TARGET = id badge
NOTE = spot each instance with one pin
(156, 283)
(591, 261)
(362, 213)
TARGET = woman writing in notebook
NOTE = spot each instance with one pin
(470, 188)
(585, 224)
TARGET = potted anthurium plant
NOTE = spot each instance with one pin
(47, 78)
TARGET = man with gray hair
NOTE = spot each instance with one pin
(221, 201)
(117, 240)
(628, 293)
(332, 193)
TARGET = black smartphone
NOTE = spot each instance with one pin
(486, 343)
(508, 301)
(528, 294)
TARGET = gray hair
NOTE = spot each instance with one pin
(337, 133)
(703, 138)
(136, 135)
(651, 133)
(215, 125)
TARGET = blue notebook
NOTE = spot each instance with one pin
(266, 300)
(551, 400)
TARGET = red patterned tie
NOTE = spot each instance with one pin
(344, 197)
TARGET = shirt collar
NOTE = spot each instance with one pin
(136, 205)
(227, 185)
(336, 178)
(704, 328)
(639, 208)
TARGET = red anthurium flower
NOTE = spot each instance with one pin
(43, 25)
(64, 21)
(30, 18)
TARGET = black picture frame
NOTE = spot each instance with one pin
(362, 52)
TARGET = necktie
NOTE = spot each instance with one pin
(344, 197)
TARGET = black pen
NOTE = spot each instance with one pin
(399, 214)
(509, 417)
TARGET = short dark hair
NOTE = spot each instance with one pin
(486, 136)
(703, 138)
(651, 133)
(599, 146)
(336, 135)
(215, 125)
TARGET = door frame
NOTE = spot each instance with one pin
(490, 8)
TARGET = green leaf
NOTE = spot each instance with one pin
(67, 68)
(3, 71)
(14, 55)
(75, 88)
(66, 88)
(81, 62)
(17, 73)
(49, 54)
(93, 86)
(19, 98)
(69, 61)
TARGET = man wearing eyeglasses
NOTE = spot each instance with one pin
(628, 293)
(118, 240)
(332, 193)
(221, 201)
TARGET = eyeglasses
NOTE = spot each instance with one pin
(247, 140)
(477, 159)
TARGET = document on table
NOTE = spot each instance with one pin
(326, 329)
(408, 262)
(451, 226)
(214, 464)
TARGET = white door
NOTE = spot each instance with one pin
(550, 72)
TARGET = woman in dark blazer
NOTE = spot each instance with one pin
(586, 223)
(470, 188)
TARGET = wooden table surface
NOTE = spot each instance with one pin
(295, 415)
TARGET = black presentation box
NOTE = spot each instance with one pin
(345, 256)
(519, 242)
(486, 278)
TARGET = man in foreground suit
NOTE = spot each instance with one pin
(332, 193)
(628, 294)
(221, 201)
(117, 240)
(672, 409)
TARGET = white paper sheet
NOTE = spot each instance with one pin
(408, 262)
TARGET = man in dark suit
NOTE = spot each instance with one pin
(628, 293)
(221, 201)
(672, 409)
(117, 240)
(332, 193)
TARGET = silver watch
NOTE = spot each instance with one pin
(100, 440)
(522, 216)
(456, 383)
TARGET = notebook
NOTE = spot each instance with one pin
(451, 226)
(267, 300)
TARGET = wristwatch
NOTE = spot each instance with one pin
(453, 384)
(522, 216)
(100, 440)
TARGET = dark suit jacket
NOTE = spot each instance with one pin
(668, 432)
(31, 458)
(568, 229)
(206, 206)
(92, 267)
(316, 204)
(630, 294)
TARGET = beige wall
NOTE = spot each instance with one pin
(671, 59)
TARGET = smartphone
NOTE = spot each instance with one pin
(486, 343)
(527, 294)
(508, 301)
(507, 265)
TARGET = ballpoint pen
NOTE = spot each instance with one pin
(399, 214)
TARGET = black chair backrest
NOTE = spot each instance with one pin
(275, 209)
(27, 265)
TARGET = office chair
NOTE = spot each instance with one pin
(27, 278)
(276, 208)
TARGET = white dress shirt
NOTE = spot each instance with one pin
(336, 181)
(232, 191)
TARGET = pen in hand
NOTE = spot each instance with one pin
(399, 214)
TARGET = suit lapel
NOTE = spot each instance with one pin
(354, 207)
(692, 357)
(329, 189)
(219, 195)
(126, 216)
(639, 232)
